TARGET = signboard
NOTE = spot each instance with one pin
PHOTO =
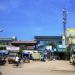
(71, 35)
(12, 48)
(71, 32)
(62, 46)
(49, 48)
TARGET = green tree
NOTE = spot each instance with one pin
(68, 51)
(22, 47)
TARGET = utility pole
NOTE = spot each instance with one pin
(64, 13)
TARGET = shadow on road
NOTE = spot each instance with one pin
(62, 71)
(19, 66)
(0, 73)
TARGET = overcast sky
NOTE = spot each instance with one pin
(28, 18)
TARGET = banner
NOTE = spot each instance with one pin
(12, 48)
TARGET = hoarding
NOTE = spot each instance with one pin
(71, 35)
(12, 48)
(49, 48)
(70, 32)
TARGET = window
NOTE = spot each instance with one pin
(60, 42)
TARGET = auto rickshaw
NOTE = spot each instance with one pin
(2, 57)
(26, 57)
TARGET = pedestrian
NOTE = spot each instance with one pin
(17, 60)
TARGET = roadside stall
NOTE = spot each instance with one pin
(13, 52)
(32, 54)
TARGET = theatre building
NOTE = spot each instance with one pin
(52, 40)
(49, 39)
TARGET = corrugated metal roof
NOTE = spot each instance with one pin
(4, 39)
(48, 37)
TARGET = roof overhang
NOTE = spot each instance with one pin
(29, 43)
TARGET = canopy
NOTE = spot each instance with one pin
(4, 51)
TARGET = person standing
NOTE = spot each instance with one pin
(17, 60)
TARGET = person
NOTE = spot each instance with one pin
(17, 60)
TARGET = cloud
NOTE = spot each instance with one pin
(2, 7)
(37, 28)
(15, 3)
(9, 5)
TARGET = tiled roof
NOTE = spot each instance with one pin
(34, 42)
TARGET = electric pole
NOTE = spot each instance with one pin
(64, 12)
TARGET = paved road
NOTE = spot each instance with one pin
(39, 68)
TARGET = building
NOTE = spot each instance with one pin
(49, 39)
(29, 45)
(6, 41)
(59, 52)
(70, 36)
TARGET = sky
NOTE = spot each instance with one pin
(28, 18)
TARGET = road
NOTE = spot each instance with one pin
(39, 68)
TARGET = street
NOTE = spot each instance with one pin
(39, 68)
